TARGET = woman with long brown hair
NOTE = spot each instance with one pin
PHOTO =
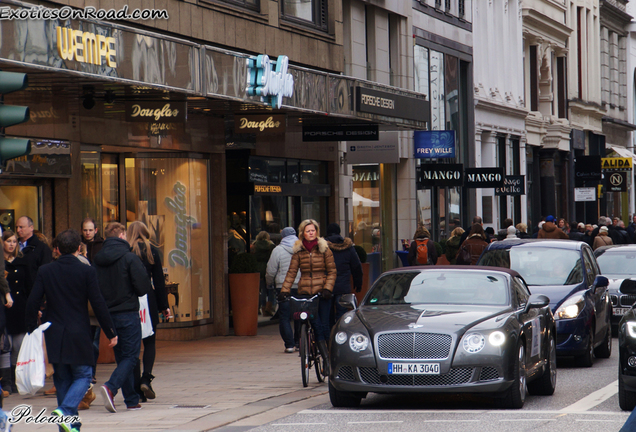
(314, 259)
(139, 238)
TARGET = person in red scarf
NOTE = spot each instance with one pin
(314, 259)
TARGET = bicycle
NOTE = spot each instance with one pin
(304, 309)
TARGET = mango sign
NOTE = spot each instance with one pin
(623, 164)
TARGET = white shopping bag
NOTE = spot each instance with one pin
(30, 371)
(144, 317)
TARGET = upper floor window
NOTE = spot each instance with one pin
(249, 4)
(312, 12)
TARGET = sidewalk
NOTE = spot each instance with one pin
(200, 385)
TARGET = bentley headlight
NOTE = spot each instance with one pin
(358, 342)
(572, 307)
(497, 338)
(341, 337)
(631, 328)
(474, 342)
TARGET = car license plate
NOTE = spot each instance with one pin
(620, 311)
(413, 368)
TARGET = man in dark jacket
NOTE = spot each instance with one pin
(68, 286)
(122, 280)
(36, 252)
(347, 265)
(91, 238)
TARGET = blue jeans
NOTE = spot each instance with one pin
(630, 424)
(321, 321)
(71, 383)
(284, 325)
(340, 310)
(96, 335)
(128, 329)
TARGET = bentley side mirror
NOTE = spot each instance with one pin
(601, 281)
(537, 301)
(348, 301)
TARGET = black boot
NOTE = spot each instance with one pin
(14, 388)
(324, 352)
(136, 374)
(146, 388)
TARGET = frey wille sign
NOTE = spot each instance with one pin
(440, 175)
(156, 111)
(484, 177)
(259, 124)
(513, 186)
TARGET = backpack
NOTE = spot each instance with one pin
(463, 256)
(422, 251)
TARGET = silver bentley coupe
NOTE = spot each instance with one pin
(450, 329)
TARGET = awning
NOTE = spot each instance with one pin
(364, 202)
(622, 152)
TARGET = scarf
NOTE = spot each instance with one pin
(309, 245)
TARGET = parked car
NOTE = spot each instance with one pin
(450, 329)
(567, 272)
(617, 263)
(627, 352)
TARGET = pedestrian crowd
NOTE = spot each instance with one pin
(82, 284)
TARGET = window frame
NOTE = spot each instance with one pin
(320, 11)
(245, 4)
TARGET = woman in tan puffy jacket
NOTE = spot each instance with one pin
(314, 259)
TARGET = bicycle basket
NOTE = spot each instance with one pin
(309, 305)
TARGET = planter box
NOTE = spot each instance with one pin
(244, 296)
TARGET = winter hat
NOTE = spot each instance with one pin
(287, 232)
(603, 229)
(550, 218)
(333, 228)
(581, 225)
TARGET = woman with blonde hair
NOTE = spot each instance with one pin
(314, 259)
(453, 244)
(139, 238)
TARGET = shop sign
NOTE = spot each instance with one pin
(513, 186)
(584, 194)
(48, 158)
(267, 83)
(392, 105)
(179, 255)
(616, 182)
(48, 114)
(293, 189)
(434, 144)
(587, 168)
(260, 124)
(616, 164)
(156, 111)
(86, 47)
(445, 175)
(368, 132)
(578, 139)
(385, 150)
(267, 189)
(484, 177)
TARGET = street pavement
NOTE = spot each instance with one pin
(201, 385)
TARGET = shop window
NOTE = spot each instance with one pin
(18, 201)
(170, 195)
(268, 213)
(312, 172)
(307, 12)
(421, 70)
(293, 171)
(91, 205)
(366, 207)
(110, 189)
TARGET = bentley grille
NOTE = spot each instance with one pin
(456, 376)
(423, 346)
(627, 300)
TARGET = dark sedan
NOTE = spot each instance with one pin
(452, 329)
(618, 263)
(567, 272)
(627, 352)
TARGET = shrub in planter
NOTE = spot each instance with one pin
(244, 280)
(243, 263)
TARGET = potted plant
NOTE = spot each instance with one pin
(366, 268)
(244, 280)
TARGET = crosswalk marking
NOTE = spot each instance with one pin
(593, 399)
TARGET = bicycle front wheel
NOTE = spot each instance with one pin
(319, 362)
(304, 353)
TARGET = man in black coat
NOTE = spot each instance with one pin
(122, 280)
(347, 265)
(91, 238)
(68, 286)
(36, 252)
